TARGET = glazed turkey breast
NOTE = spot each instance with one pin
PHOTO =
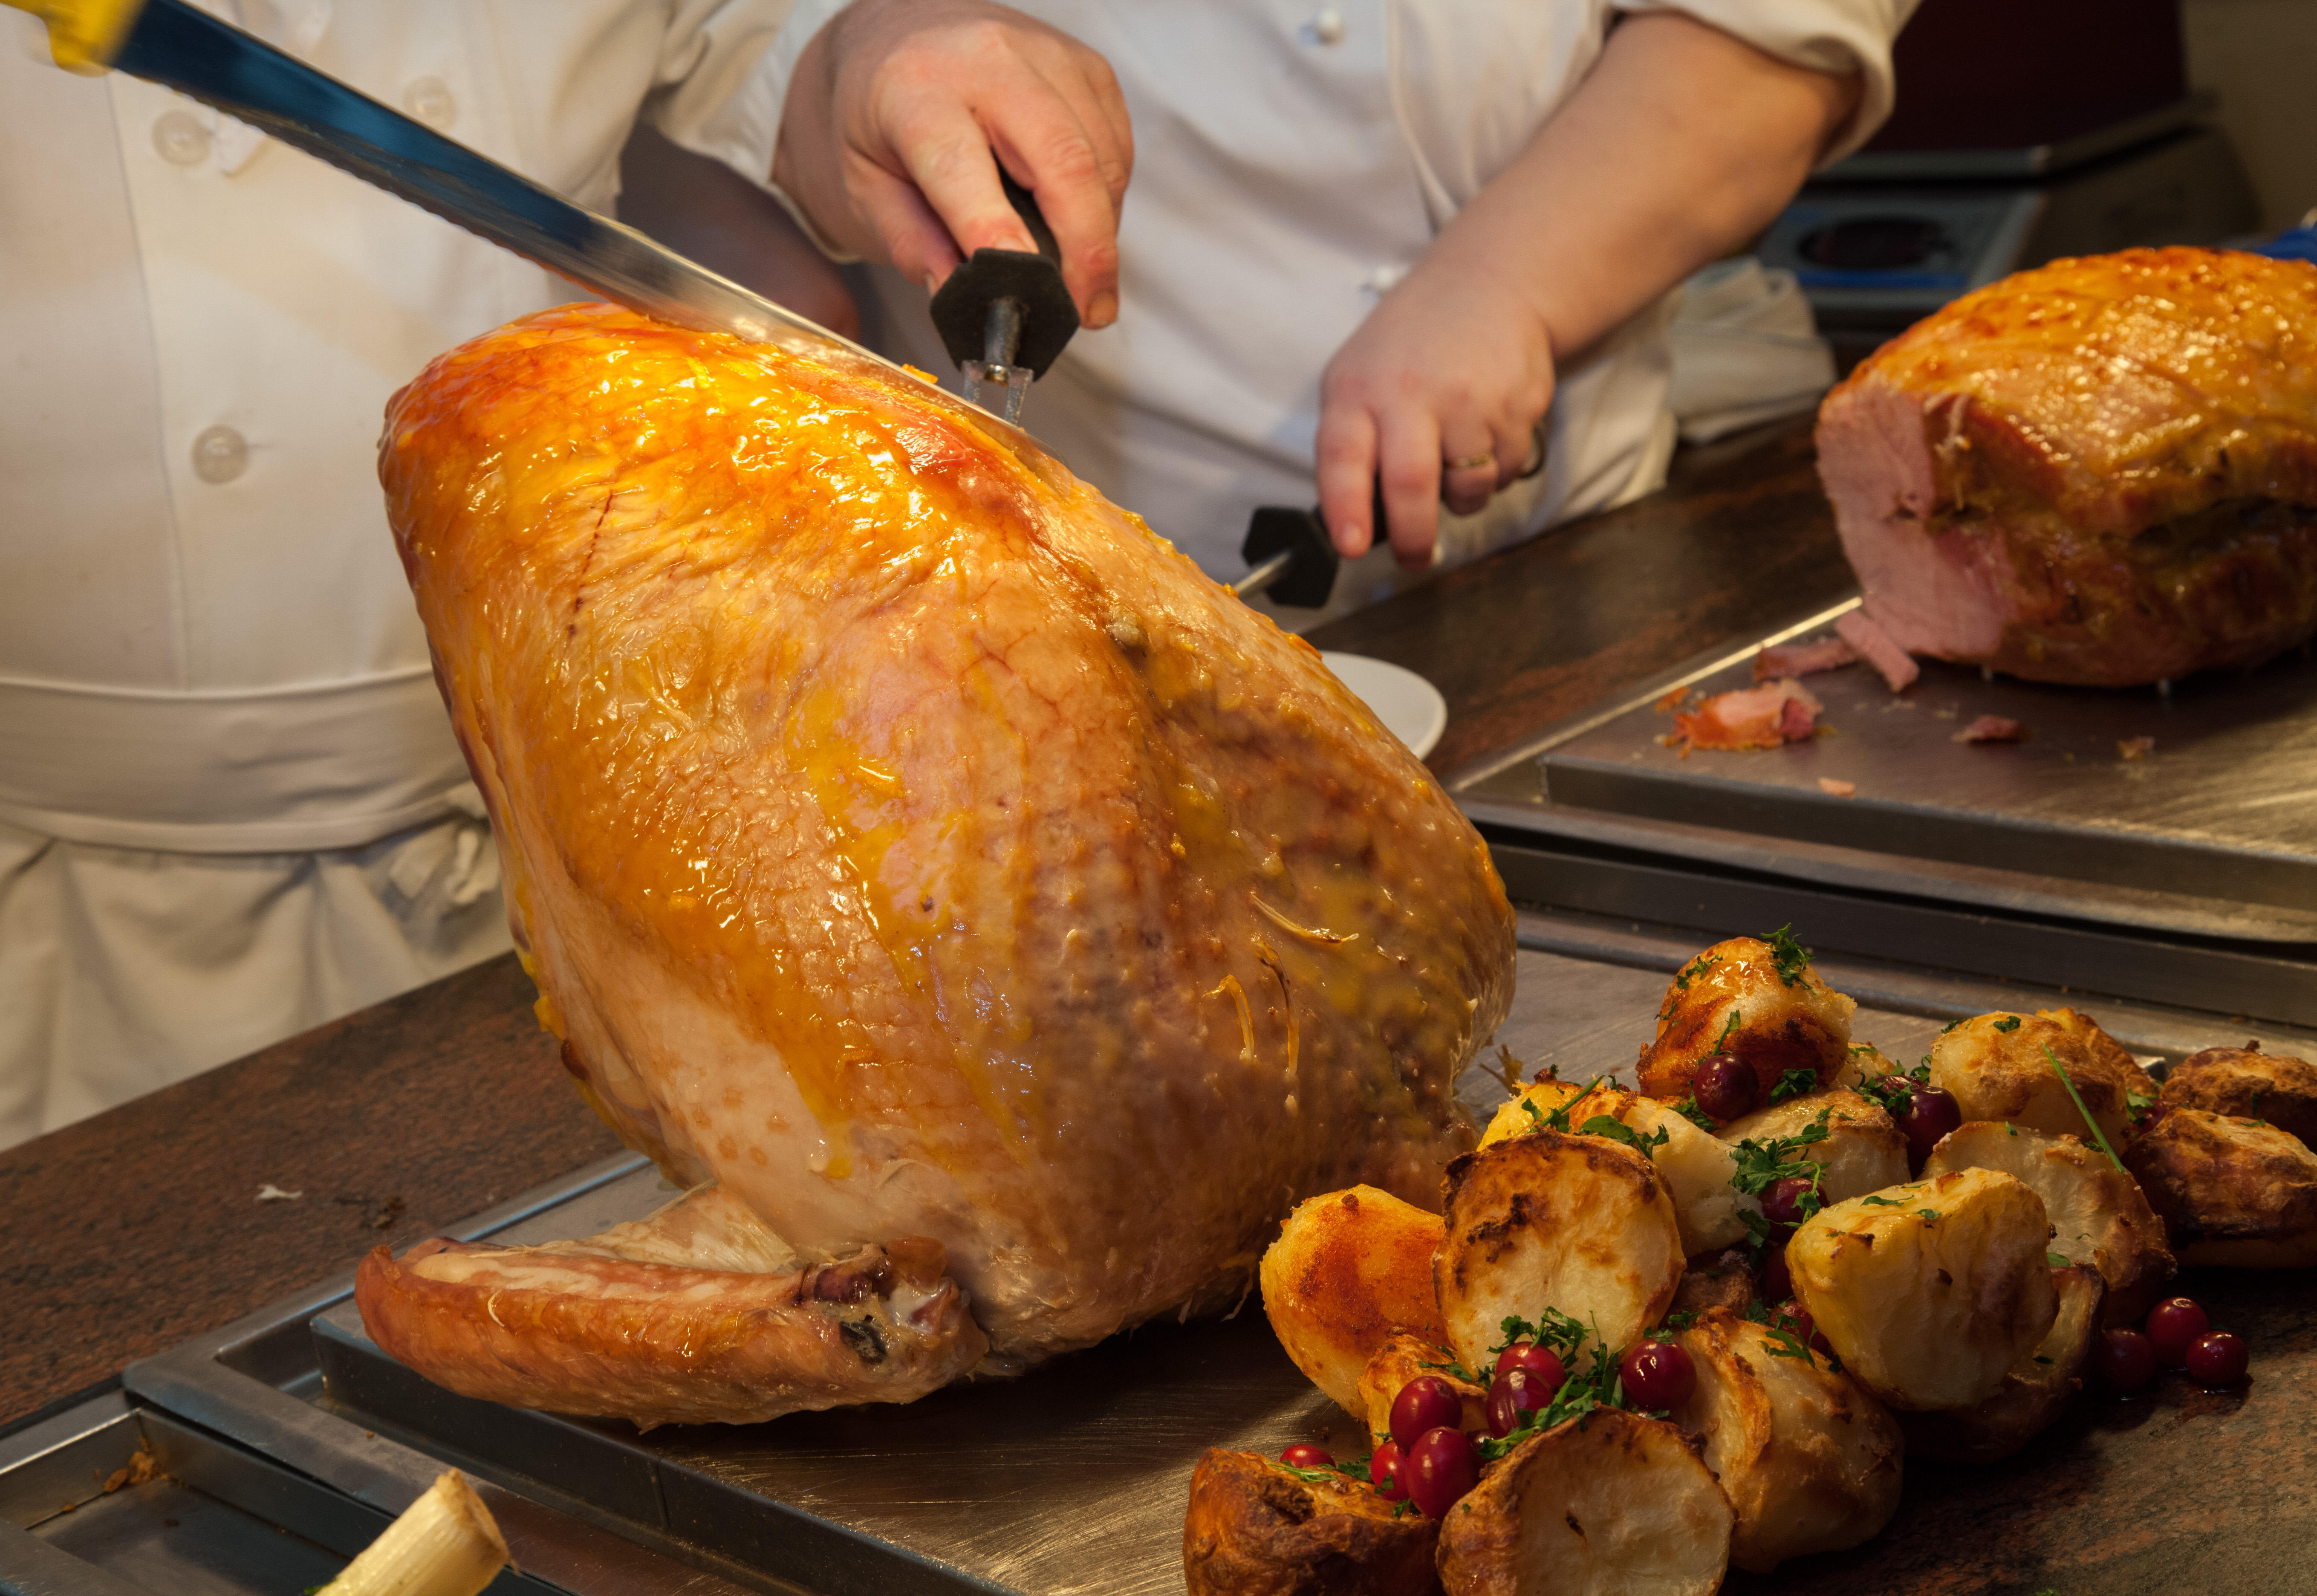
(908, 843)
(2102, 471)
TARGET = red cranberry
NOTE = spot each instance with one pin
(1797, 1320)
(1383, 1473)
(1441, 1466)
(1658, 1374)
(1304, 1455)
(1542, 1362)
(1515, 1393)
(1727, 1088)
(2125, 1359)
(1777, 1281)
(1897, 1090)
(1782, 1204)
(1425, 1403)
(2172, 1325)
(1929, 1114)
(2217, 1359)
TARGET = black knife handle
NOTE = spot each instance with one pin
(1050, 318)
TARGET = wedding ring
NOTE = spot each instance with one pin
(1472, 462)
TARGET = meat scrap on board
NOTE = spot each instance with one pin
(1763, 717)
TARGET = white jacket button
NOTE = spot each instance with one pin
(220, 454)
(430, 100)
(181, 138)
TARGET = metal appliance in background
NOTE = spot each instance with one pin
(2079, 135)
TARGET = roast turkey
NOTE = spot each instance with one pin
(2102, 471)
(994, 923)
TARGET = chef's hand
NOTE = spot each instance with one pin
(897, 108)
(1439, 395)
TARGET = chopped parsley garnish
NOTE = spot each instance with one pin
(1928, 1213)
(1456, 1370)
(2058, 1260)
(1780, 1331)
(1596, 1386)
(2097, 1134)
(1893, 1099)
(2040, 1358)
(1678, 1321)
(1617, 1130)
(1884, 1202)
(1736, 1017)
(2008, 1024)
(1760, 1165)
(1788, 957)
(1693, 969)
(1794, 1083)
(1689, 1110)
(1529, 1106)
(1950, 1026)
(1555, 1330)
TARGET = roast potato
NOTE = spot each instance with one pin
(1734, 998)
(1930, 1291)
(2034, 1391)
(2233, 1192)
(2099, 1215)
(2246, 1083)
(1527, 1108)
(1402, 1358)
(1862, 1151)
(1697, 1167)
(1347, 1271)
(1809, 1461)
(1256, 1529)
(1609, 1504)
(1867, 1063)
(1579, 1223)
(1996, 1068)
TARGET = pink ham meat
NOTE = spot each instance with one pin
(1789, 659)
(1877, 648)
(1751, 718)
(2102, 471)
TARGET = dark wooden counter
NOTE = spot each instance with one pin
(138, 1228)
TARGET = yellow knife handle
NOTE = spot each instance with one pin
(84, 35)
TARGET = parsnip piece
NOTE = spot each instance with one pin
(1578, 1224)
(1611, 1504)
(1742, 998)
(1862, 1151)
(1996, 1068)
(1347, 1271)
(2246, 1083)
(2099, 1215)
(2033, 1395)
(2231, 1192)
(1254, 1529)
(1930, 1291)
(445, 1544)
(1402, 1358)
(1809, 1461)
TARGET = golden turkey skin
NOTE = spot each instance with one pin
(905, 838)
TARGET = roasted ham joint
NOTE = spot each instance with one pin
(990, 924)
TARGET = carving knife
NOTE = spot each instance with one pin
(178, 46)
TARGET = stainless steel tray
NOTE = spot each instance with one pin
(1073, 1478)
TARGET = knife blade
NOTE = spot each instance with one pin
(171, 43)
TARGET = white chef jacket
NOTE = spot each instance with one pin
(230, 803)
(1293, 160)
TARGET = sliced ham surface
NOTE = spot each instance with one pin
(1879, 649)
(2102, 471)
(1791, 659)
(1994, 728)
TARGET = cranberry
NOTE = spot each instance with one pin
(1897, 1090)
(1783, 1202)
(1542, 1362)
(1658, 1374)
(1796, 1319)
(1929, 1114)
(2217, 1359)
(1304, 1455)
(1727, 1088)
(1383, 1473)
(2125, 1358)
(1441, 1466)
(2172, 1325)
(1425, 1403)
(1516, 1393)
(1777, 1281)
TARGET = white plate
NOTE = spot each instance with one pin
(1410, 708)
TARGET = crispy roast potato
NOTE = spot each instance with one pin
(1867, 1063)
(1255, 1528)
(1862, 1151)
(1606, 1505)
(2246, 1083)
(2002, 1073)
(2232, 1192)
(1809, 1461)
(1527, 1110)
(1579, 1223)
(1732, 999)
(1347, 1271)
(2033, 1394)
(1696, 1165)
(1930, 1291)
(1400, 1360)
(2099, 1215)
